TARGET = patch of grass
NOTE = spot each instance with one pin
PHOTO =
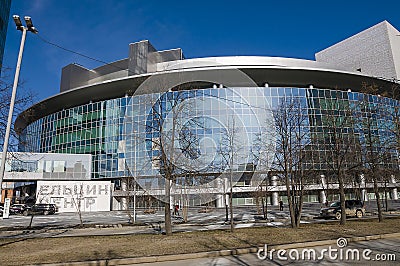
(68, 249)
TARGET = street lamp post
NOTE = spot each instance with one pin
(29, 27)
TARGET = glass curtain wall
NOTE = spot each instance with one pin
(123, 135)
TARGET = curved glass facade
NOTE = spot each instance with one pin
(125, 136)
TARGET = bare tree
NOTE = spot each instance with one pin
(77, 199)
(394, 127)
(374, 123)
(292, 141)
(263, 151)
(39, 196)
(260, 195)
(185, 197)
(130, 194)
(23, 100)
(167, 116)
(338, 145)
(395, 117)
(230, 149)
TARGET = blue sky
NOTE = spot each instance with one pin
(103, 29)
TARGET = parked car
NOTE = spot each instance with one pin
(353, 208)
(41, 208)
(18, 208)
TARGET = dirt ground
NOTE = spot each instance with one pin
(69, 249)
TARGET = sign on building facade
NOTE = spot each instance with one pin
(72, 196)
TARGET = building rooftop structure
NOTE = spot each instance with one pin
(374, 51)
(143, 58)
(345, 65)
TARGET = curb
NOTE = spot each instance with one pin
(219, 253)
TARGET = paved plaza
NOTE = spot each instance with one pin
(61, 224)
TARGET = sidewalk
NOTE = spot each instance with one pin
(141, 228)
(119, 229)
(219, 253)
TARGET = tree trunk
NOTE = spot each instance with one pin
(342, 203)
(80, 217)
(299, 208)
(265, 207)
(231, 207)
(231, 187)
(378, 200)
(264, 211)
(386, 198)
(292, 212)
(168, 223)
(290, 203)
(226, 213)
(30, 223)
(185, 210)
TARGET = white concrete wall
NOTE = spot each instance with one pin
(370, 50)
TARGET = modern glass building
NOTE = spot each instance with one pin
(4, 15)
(199, 124)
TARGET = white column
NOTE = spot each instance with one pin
(220, 201)
(322, 193)
(274, 181)
(364, 195)
(322, 196)
(323, 181)
(124, 188)
(394, 194)
(226, 191)
(275, 195)
(394, 190)
(274, 199)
